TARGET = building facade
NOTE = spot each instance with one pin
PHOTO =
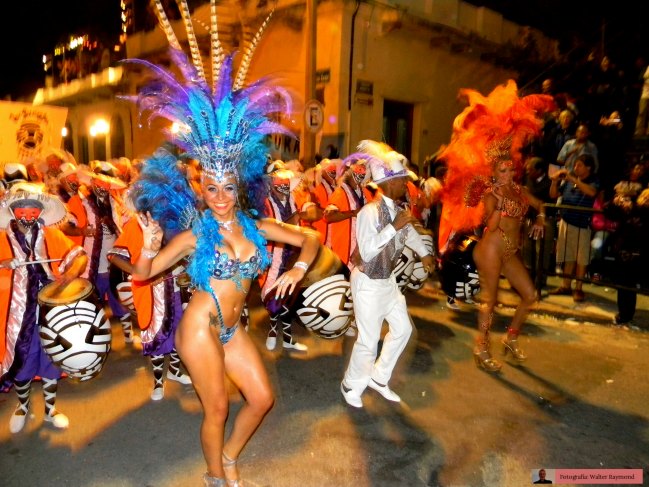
(383, 70)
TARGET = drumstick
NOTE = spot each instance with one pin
(42, 261)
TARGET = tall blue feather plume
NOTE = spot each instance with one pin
(162, 190)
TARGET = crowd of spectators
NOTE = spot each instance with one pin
(594, 153)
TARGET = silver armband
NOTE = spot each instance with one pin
(301, 265)
(149, 254)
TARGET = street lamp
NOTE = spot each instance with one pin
(97, 129)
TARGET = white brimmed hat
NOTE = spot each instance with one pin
(104, 167)
(28, 194)
(15, 172)
(67, 169)
(386, 163)
(89, 176)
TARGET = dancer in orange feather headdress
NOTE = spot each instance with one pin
(483, 161)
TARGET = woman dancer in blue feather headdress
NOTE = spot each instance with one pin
(223, 128)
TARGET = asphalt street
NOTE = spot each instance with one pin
(580, 401)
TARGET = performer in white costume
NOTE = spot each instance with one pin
(382, 231)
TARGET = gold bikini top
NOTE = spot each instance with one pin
(515, 208)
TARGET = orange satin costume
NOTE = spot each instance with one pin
(343, 238)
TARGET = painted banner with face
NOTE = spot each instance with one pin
(26, 130)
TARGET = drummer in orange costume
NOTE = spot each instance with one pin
(71, 194)
(325, 185)
(281, 206)
(158, 308)
(106, 216)
(344, 203)
(27, 215)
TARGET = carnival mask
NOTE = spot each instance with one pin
(71, 184)
(100, 189)
(28, 216)
(282, 186)
(358, 173)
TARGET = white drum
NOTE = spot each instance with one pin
(419, 275)
(323, 303)
(325, 307)
(74, 330)
(403, 270)
(409, 271)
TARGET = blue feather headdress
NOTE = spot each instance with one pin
(222, 126)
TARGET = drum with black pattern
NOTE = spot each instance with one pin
(458, 273)
(74, 331)
(323, 302)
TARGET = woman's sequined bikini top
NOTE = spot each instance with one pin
(235, 270)
(515, 208)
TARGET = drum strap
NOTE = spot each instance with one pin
(358, 196)
(100, 210)
(285, 210)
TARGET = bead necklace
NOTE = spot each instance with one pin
(226, 225)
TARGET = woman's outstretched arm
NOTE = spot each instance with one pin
(154, 258)
(306, 239)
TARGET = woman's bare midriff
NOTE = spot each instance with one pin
(501, 243)
(201, 305)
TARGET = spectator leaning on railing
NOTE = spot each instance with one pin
(629, 242)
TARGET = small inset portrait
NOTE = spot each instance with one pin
(542, 476)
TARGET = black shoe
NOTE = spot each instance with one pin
(560, 291)
(619, 321)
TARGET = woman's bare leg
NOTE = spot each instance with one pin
(246, 370)
(488, 261)
(520, 280)
(200, 349)
(518, 277)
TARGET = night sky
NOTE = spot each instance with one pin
(620, 25)
(33, 28)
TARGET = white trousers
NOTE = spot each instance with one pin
(376, 300)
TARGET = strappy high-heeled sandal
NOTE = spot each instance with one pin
(229, 463)
(481, 354)
(214, 481)
(484, 360)
(510, 344)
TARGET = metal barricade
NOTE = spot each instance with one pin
(607, 263)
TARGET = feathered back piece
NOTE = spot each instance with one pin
(223, 126)
(163, 190)
(489, 130)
